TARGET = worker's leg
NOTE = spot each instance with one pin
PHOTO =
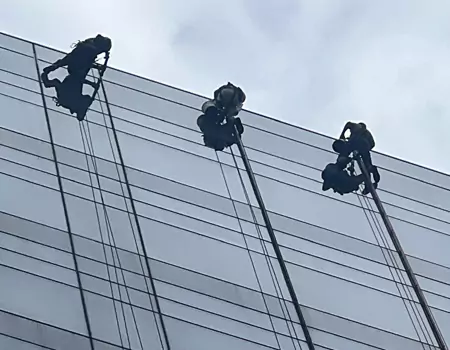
(54, 83)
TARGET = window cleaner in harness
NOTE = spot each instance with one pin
(218, 120)
(340, 176)
(69, 92)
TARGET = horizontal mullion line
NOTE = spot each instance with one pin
(75, 181)
(107, 265)
(18, 75)
(305, 189)
(79, 196)
(280, 169)
(264, 130)
(438, 231)
(113, 299)
(288, 172)
(14, 51)
(44, 324)
(255, 127)
(167, 196)
(232, 244)
(60, 162)
(302, 188)
(26, 341)
(26, 165)
(228, 283)
(256, 252)
(297, 264)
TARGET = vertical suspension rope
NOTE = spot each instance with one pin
(398, 247)
(111, 236)
(405, 287)
(249, 252)
(101, 236)
(274, 241)
(395, 267)
(132, 229)
(113, 246)
(273, 275)
(141, 237)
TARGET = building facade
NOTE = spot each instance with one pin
(125, 232)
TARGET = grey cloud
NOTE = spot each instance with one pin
(274, 18)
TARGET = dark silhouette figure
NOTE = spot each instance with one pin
(69, 92)
(340, 178)
(219, 117)
(360, 140)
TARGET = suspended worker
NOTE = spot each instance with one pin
(339, 177)
(83, 56)
(219, 117)
(69, 92)
(360, 140)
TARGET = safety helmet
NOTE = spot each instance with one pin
(226, 96)
(103, 42)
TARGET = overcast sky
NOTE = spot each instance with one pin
(313, 63)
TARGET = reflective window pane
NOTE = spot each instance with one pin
(58, 305)
(36, 203)
(352, 301)
(196, 337)
(41, 334)
(15, 44)
(172, 164)
(169, 244)
(17, 63)
(152, 87)
(26, 83)
(28, 119)
(26, 144)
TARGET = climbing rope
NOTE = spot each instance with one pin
(162, 333)
(278, 291)
(111, 238)
(382, 241)
(248, 251)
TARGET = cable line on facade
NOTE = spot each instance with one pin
(398, 247)
(274, 279)
(341, 177)
(112, 243)
(101, 237)
(392, 264)
(273, 275)
(428, 338)
(163, 332)
(222, 128)
(249, 252)
(111, 235)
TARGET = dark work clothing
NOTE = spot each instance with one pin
(219, 117)
(83, 56)
(69, 94)
(345, 183)
(219, 136)
(360, 140)
(340, 180)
